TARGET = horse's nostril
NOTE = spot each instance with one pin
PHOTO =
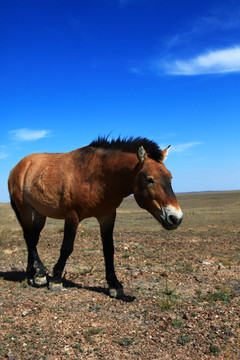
(174, 220)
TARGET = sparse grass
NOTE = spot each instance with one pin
(185, 267)
(214, 349)
(91, 332)
(183, 340)
(223, 294)
(84, 272)
(168, 298)
(177, 323)
(126, 341)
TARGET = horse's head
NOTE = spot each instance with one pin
(153, 191)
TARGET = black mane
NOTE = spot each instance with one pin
(130, 145)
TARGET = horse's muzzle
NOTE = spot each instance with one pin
(170, 217)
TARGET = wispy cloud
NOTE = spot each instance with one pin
(195, 32)
(28, 134)
(213, 62)
(220, 61)
(3, 155)
(184, 147)
(219, 22)
(182, 53)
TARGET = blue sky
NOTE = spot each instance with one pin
(166, 70)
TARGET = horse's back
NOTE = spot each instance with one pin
(52, 183)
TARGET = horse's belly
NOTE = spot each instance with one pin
(46, 206)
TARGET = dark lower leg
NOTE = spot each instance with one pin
(35, 268)
(36, 272)
(70, 230)
(106, 227)
(108, 250)
(64, 255)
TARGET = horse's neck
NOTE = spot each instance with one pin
(122, 169)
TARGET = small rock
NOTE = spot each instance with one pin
(164, 274)
(185, 316)
(25, 313)
(11, 356)
(204, 262)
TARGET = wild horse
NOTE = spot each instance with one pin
(89, 182)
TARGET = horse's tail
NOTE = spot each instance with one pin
(16, 211)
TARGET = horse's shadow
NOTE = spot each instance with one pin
(13, 275)
(20, 276)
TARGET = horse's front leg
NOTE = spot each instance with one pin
(106, 228)
(70, 230)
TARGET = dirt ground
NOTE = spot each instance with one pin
(182, 288)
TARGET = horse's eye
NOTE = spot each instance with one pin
(150, 180)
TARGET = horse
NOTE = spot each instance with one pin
(88, 182)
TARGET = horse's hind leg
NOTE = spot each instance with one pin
(32, 223)
(35, 269)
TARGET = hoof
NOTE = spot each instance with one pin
(38, 281)
(55, 285)
(116, 293)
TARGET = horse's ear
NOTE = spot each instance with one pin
(165, 152)
(141, 154)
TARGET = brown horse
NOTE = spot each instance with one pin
(89, 182)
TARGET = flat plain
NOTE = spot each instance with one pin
(182, 287)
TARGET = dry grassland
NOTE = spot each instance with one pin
(182, 288)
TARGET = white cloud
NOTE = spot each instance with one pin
(28, 134)
(213, 62)
(183, 147)
(3, 155)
